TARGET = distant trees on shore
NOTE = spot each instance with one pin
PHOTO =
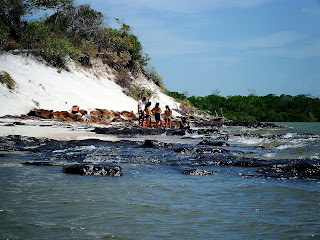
(268, 108)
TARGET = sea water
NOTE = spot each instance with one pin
(154, 200)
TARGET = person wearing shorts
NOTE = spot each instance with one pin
(157, 114)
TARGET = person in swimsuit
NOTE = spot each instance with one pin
(157, 114)
(147, 114)
(167, 117)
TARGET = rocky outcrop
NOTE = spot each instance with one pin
(92, 169)
(41, 113)
(213, 143)
(198, 172)
(106, 117)
(101, 116)
(302, 170)
(155, 144)
(67, 117)
(131, 131)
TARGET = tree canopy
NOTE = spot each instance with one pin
(268, 108)
(75, 31)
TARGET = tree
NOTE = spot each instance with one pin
(11, 13)
(82, 21)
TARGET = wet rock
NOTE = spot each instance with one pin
(207, 131)
(197, 172)
(176, 132)
(213, 143)
(39, 163)
(303, 170)
(128, 131)
(154, 143)
(184, 150)
(92, 169)
(241, 162)
(19, 123)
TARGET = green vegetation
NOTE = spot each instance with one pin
(76, 32)
(7, 80)
(138, 91)
(269, 108)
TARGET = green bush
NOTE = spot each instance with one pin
(55, 51)
(152, 74)
(178, 96)
(4, 34)
(137, 92)
(123, 79)
(7, 80)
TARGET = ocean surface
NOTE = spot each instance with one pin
(260, 186)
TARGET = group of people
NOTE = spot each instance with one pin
(145, 112)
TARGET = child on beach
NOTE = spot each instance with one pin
(157, 114)
(167, 117)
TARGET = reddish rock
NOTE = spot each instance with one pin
(67, 117)
(128, 115)
(83, 112)
(41, 113)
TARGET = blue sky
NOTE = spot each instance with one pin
(231, 47)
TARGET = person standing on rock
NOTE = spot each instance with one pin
(140, 111)
(147, 113)
(157, 114)
(167, 117)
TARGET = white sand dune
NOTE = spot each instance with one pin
(41, 86)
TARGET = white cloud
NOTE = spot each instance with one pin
(273, 40)
(306, 50)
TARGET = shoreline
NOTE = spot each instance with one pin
(103, 124)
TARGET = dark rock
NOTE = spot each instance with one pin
(184, 150)
(92, 169)
(41, 113)
(213, 143)
(207, 131)
(154, 143)
(128, 131)
(39, 163)
(176, 132)
(197, 172)
(303, 170)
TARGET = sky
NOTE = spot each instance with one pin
(227, 47)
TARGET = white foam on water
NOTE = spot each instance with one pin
(286, 146)
(290, 135)
(269, 155)
(249, 141)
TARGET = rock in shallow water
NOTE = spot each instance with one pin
(197, 172)
(92, 169)
(302, 170)
(155, 144)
